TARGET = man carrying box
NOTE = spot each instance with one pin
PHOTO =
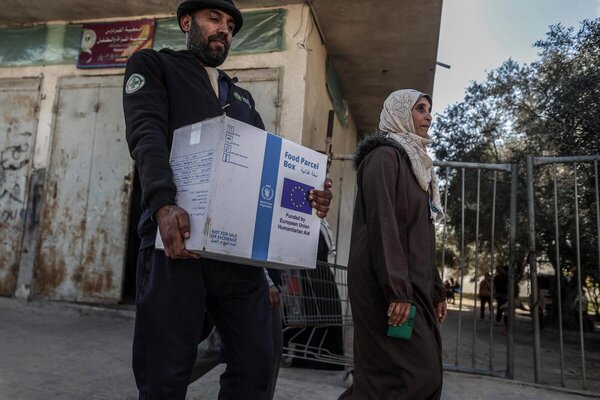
(164, 91)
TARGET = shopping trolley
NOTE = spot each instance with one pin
(316, 308)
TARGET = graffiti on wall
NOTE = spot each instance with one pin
(13, 159)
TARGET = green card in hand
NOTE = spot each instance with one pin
(405, 330)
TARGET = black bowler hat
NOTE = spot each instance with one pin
(189, 6)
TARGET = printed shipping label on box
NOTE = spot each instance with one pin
(246, 192)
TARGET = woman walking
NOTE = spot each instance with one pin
(392, 258)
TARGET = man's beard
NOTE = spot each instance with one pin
(199, 47)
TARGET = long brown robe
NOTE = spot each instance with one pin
(392, 258)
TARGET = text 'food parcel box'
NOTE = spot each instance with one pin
(246, 192)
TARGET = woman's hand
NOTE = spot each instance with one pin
(398, 313)
(441, 311)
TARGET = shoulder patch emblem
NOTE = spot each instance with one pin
(134, 83)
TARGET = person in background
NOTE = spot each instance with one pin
(450, 293)
(391, 264)
(485, 295)
(448, 290)
(455, 288)
(163, 91)
(501, 292)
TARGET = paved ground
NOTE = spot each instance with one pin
(55, 351)
(475, 349)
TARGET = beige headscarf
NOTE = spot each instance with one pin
(396, 120)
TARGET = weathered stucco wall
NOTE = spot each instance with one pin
(292, 61)
(48, 97)
(317, 105)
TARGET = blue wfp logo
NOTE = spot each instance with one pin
(267, 193)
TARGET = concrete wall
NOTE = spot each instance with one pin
(316, 110)
(292, 61)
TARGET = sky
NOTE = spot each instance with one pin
(478, 35)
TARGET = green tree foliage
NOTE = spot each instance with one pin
(550, 107)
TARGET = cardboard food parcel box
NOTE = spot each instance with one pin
(246, 192)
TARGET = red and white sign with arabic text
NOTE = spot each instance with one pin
(111, 44)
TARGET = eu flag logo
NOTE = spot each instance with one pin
(295, 196)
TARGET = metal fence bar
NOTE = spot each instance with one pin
(440, 326)
(493, 233)
(492, 249)
(445, 225)
(469, 165)
(579, 289)
(462, 263)
(558, 280)
(492, 319)
(597, 215)
(512, 239)
(533, 270)
(476, 371)
(564, 160)
(474, 352)
(339, 214)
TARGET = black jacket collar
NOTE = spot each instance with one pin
(370, 143)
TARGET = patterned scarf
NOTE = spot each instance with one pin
(396, 120)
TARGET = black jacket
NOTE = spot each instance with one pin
(170, 89)
(174, 91)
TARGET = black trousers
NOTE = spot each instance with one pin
(210, 352)
(171, 299)
(500, 302)
(485, 300)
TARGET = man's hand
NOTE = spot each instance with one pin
(441, 311)
(274, 297)
(320, 199)
(398, 313)
(174, 225)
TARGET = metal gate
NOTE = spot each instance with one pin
(87, 197)
(19, 102)
(483, 346)
(477, 348)
(564, 236)
(556, 256)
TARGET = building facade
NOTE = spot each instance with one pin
(67, 200)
